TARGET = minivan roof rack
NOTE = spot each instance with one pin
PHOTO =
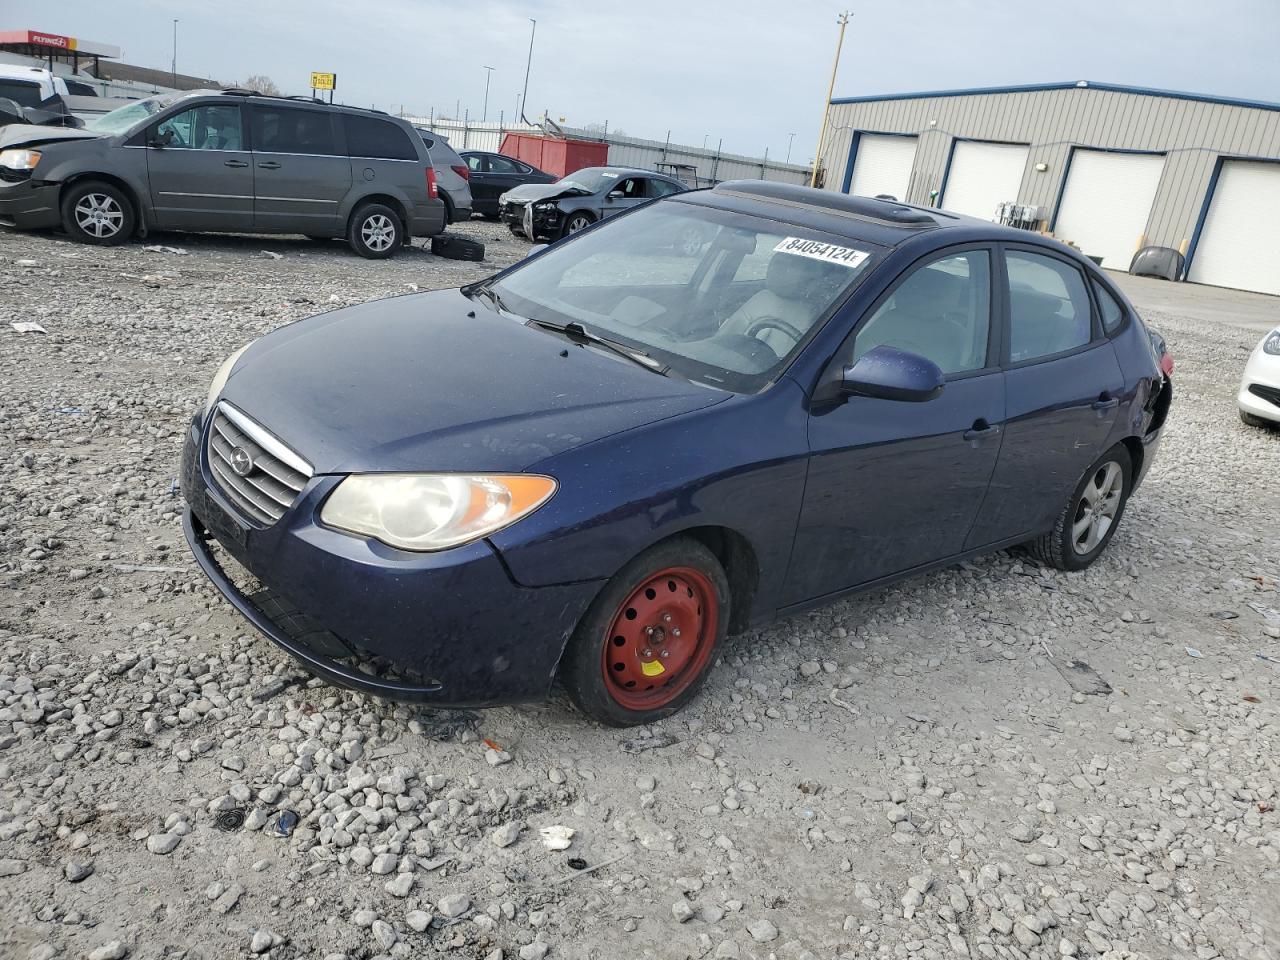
(241, 92)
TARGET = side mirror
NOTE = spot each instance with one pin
(160, 141)
(889, 373)
(615, 195)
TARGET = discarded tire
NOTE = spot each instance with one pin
(454, 247)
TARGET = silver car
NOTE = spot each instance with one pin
(227, 161)
(452, 174)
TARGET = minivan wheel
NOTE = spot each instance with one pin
(99, 213)
(1089, 520)
(375, 231)
(648, 640)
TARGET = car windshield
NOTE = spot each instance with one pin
(123, 118)
(589, 180)
(719, 298)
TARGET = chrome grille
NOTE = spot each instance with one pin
(274, 477)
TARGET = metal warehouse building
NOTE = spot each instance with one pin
(1106, 167)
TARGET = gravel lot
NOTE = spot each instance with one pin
(917, 772)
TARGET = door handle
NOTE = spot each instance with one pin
(269, 165)
(235, 163)
(981, 430)
(1105, 402)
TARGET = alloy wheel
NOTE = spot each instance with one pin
(1097, 507)
(99, 215)
(661, 638)
(576, 224)
(378, 232)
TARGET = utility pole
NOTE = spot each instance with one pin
(790, 139)
(174, 68)
(487, 77)
(524, 96)
(843, 20)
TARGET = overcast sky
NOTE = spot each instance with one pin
(749, 72)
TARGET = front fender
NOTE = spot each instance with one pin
(720, 466)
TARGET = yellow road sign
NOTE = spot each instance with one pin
(324, 81)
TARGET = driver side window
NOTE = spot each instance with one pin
(210, 127)
(942, 311)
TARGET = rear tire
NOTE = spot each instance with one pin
(649, 639)
(375, 231)
(1252, 420)
(98, 213)
(1090, 518)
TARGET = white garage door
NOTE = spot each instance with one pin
(883, 165)
(983, 175)
(1241, 234)
(1107, 202)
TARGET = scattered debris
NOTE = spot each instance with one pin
(272, 255)
(229, 820)
(584, 869)
(557, 837)
(1193, 652)
(146, 568)
(284, 823)
(1225, 615)
(160, 248)
(1082, 678)
(27, 326)
(655, 742)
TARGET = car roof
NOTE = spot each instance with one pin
(302, 101)
(883, 222)
(18, 71)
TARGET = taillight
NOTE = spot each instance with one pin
(462, 170)
(433, 192)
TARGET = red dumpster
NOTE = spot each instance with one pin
(553, 155)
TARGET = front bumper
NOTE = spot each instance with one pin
(453, 627)
(29, 204)
(1260, 386)
(512, 214)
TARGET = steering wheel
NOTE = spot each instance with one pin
(773, 323)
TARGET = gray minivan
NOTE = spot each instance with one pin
(228, 161)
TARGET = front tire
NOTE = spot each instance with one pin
(1252, 420)
(647, 642)
(375, 231)
(575, 222)
(98, 213)
(1092, 514)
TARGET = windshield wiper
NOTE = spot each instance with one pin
(581, 335)
(495, 298)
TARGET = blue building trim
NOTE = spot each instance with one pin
(853, 152)
(1208, 199)
(1067, 85)
(1066, 172)
(951, 152)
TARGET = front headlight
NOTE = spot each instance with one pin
(1271, 345)
(425, 512)
(19, 159)
(220, 378)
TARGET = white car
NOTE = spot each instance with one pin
(30, 86)
(1259, 396)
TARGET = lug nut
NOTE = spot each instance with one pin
(666, 618)
(675, 632)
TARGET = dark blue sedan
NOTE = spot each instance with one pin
(598, 463)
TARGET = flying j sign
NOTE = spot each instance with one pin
(37, 39)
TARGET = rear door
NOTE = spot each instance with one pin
(1063, 386)
(301, 170)
(199, 172)
(492, 176)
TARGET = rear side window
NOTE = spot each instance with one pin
(1112, 312)
(1049, 308)
(378, 139)
(289, 130)
(475, 163)
(662, 188)
(502, 165)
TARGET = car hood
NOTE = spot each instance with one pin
(436, 381)
(542, 191)
(30, 134)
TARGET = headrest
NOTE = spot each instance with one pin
(791, 276)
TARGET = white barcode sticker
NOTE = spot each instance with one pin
(817, 250)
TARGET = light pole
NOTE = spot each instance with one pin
(174, 67)
(524, 96)
(826, 107)
(791, 137)
(487, 77)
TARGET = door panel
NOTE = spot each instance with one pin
(893, 485)
(494, 177)
(632, 190)
(1062, 395)
(301, 171)
(201, 179)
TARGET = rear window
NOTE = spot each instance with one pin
(22, 92)
(290, 130)
(379, 139)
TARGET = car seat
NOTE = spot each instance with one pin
(796, 291)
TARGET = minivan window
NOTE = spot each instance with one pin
(213, 126)
(290, 130)
(379, 139)
(1049, 308)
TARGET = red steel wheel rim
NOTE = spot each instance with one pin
(661, 638)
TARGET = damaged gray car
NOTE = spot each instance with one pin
(549, 211)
